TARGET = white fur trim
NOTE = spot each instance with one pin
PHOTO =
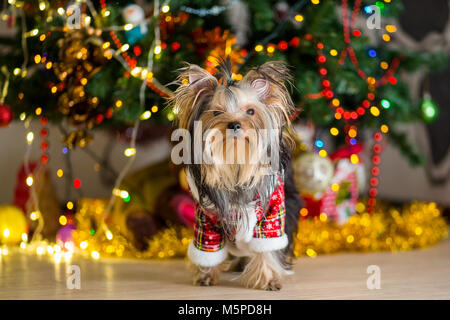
(206, 258)
(268, 244)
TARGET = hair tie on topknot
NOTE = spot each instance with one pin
(230, 82)
(225, 70)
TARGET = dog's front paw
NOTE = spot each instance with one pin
(207, 278)
(274, 285)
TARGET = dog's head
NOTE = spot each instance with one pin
(239, 122)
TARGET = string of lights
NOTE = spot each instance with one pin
(35, 213)
(388, 76)
(132, 147)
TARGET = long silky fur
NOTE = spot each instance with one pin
(265, 270)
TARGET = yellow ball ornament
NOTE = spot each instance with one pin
(12, 224)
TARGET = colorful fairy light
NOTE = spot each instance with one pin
(146, 115)
(319, 143)
(259, 48)
(376, 151)
(298, 18)
(63, 220)
(129, 152)
(77, 183)
(334, 131)
(386, 104)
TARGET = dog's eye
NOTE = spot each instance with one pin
(251, 112)
(216, 113)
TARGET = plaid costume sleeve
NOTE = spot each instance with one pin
(269, 234)
(207, 248)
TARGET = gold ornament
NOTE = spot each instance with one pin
(79, 138)
(12, 224)
(80, 58)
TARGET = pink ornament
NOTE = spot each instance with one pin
(184, 207)
(65, 235)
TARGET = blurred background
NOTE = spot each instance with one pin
(89, 80)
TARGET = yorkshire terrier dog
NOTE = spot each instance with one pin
(247, 203)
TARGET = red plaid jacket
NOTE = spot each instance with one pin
(208, 231)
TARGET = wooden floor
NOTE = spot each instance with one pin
(419, 274)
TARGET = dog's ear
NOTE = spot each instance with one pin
(194, 82)
(271, 81)
(199, 79)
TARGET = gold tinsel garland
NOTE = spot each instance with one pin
(416, 225)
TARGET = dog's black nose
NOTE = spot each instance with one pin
(236, 126)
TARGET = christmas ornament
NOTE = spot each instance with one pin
(6, 115)
(135, 15)
(313, 173)
(176, 206)
(143, 225)
(339, 200)
(80, 58)
(352, 153)
(430, 109)
(79, 138)
(64, 237)
(12, 224)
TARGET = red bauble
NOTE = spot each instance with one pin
(6, 115)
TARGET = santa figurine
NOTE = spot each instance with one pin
(330, 185)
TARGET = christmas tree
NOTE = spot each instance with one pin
(105, 64)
